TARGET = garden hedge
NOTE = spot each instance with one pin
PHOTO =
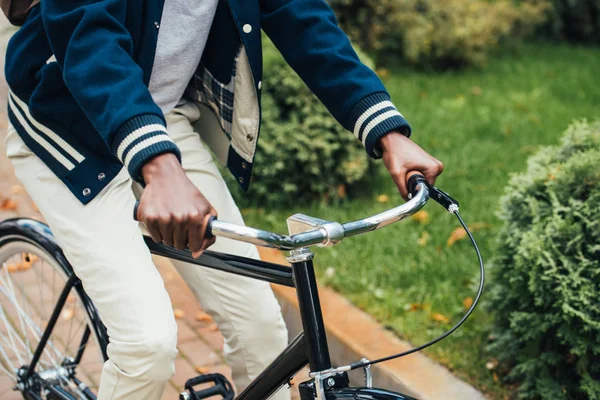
(545, 294)
(573, 20)
(438, 33)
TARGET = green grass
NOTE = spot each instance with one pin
(483, 124)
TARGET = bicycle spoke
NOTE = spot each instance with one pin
(37, 333)
(8, 369)
(28, 296)
(10, 333)
(12, 291)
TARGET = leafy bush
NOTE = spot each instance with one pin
(574, 20)
(546, 290)
(440, 33)
(303, 154)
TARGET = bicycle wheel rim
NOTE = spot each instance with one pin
(30, 283)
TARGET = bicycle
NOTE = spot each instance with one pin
(44, 365)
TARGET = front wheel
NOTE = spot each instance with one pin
(33, 277)
(365, 394)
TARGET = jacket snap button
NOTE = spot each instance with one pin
(157, 25)
(247, 28)
(241, 179)
(87, 191)
(244, 165)
(249, 137)
(101, 176)
(259, 85)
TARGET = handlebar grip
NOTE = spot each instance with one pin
(208, 234)
(135, 210)
(414, 178)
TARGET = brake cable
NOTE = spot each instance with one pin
(452, 206)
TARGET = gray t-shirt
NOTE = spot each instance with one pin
(183, 31)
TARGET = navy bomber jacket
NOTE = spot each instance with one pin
(78, 72)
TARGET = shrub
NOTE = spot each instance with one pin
(303, 154)
(439, 33)
(546, 290)
(574, 20)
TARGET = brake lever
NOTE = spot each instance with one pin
(437, 195)
(443, 198)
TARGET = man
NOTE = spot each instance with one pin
(101, 84)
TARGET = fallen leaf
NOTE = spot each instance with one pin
(16, 189)
(477, 226)
(495, 377)
(27, 261)
(204, 317)
(439, 318)
(421, 217)
(476, 91)
(68, 314)
(178, 313)
(8, 205)
(424, 239)
(456, 235)
(415, 307)
(459, 233)
(468, 302)
(213, 328)
(341, 191)
(201, 370)
(383, 198)
(383, 72)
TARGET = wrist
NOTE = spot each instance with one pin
(390, 140)
(166, 164)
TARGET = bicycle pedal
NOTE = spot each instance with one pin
(220, 387)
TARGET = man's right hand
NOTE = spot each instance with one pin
(173, 209)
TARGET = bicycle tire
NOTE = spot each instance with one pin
(31, 262)
(366, 394)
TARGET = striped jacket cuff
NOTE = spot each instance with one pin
(140, 139)
(372, 118)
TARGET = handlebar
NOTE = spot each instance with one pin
(325, 233)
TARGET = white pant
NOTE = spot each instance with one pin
(104, 245)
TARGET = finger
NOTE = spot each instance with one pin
(433, 172)
(196, 237)
(154, 231)
(180, 234)
(400, 181)
(166, 230)
(206, 243)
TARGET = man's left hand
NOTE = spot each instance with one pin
(401, 156)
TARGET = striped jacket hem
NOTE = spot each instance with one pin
(140, 139)
(372, 118)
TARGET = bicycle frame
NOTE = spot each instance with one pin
(309, 347)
